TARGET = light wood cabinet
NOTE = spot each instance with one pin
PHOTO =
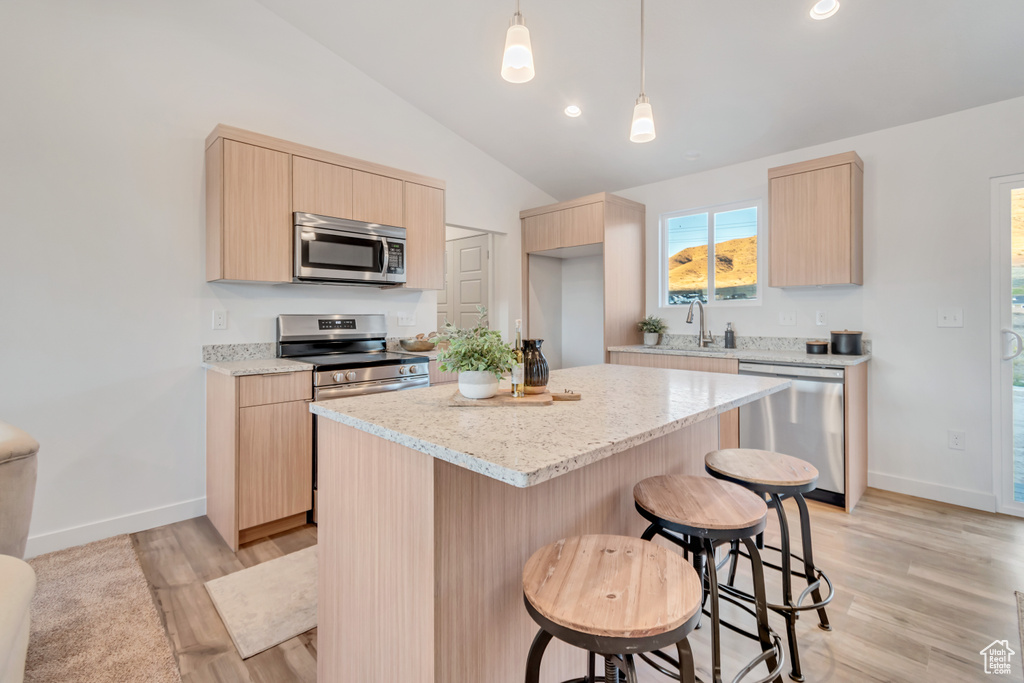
(729, 421)
(816, 229)
(438, 377)
(255, 182)
(259, 458)
(377, 199)
(424, 239)
(248, 213)
(585, 227)
(321, 188)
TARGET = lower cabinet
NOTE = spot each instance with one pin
(728, 422)
(259, 459)
(438, 377)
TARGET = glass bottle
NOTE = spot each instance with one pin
(517, 365)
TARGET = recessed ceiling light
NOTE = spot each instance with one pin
(824, 9)
(573, 111)
(692, 155)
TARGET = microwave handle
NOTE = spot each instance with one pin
(387, 257)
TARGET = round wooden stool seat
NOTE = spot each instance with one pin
(764, 471)
(701, 503)
(612, 586)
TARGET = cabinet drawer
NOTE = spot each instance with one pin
(257, 390)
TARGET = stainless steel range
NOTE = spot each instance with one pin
(349, 357)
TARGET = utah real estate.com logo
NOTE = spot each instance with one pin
(997, 657)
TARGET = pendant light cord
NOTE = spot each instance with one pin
(642, 70)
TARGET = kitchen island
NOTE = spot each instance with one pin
(428, 513)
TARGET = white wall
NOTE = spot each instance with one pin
(546, 312)
(926, 244)
(583, 311)
(103, 299)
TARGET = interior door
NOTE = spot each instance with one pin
(1008, 359)
(470, 277)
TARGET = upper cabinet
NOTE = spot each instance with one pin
(573, 226)
(248, 213)
(254, 183)
(817, 222)
(424, 241)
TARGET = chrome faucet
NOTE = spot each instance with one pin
(706, 338)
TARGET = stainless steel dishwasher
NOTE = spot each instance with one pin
(806, 421)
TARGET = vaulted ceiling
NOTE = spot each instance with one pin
(732, 80)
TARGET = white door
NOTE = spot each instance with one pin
(1008, 358)
(445, 297)
(467, 283)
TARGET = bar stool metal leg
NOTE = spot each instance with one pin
(791, 614)
(540, 643)
(809, 569)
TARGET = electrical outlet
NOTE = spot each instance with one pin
(957, 440)
(220, 320)
(407, 320)
(821, 318)
(787, 318)
(951, 317)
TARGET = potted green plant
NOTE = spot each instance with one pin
(478, 354)
(652, 328)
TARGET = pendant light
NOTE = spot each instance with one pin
(517, 63)
(642, 129)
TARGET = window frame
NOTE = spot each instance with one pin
(711, 210)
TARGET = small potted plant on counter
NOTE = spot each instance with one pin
(652, 328)
(479, 356)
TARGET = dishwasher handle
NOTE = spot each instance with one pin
(791, 371)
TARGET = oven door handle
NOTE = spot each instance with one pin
(386, 257)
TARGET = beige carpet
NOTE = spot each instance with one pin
(267, 604)
(94, 621)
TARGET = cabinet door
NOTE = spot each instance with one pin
(321, 188)
(256, 221)
(424, 240)
(377, 199)
(275, 462)
(811, 228)
(438, 377)
(582, 225)
(542, 232)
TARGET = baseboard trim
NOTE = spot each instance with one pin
(978, 500)
(105, 528)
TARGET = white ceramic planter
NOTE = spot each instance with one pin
(651, 338)
(478, 384)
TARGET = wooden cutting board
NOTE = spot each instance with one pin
(503, 399)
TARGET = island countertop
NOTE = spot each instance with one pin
(621, 407)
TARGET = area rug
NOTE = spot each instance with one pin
(94, 621)
(267, 604)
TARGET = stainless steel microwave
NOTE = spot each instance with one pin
(343, 252)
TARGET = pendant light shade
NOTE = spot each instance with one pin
(642, 129)
(517, 62)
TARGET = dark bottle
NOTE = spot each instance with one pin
(730, 336)
(535, 367)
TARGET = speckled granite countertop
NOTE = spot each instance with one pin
(758, 355)
(256, 366)
(622, 406)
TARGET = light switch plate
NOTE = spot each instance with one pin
(951, 317)
(821, 318)
(787, 318)
(220, 320)
(407, 320)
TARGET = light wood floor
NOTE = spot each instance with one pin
(922, 587)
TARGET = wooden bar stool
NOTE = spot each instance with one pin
(615, 597)
(697, 514)
(778, 477)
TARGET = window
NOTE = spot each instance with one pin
(725, 236)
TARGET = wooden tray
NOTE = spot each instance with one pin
(503, 399)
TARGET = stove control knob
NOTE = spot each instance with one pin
(339, 376)
(413, 369)
(402, 370)
(350, 376)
